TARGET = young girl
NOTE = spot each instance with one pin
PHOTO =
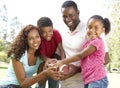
(92, 54)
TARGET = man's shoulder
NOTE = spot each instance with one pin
(83, 24)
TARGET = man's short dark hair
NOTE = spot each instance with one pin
(70, 3)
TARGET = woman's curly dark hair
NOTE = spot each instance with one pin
(20, 44)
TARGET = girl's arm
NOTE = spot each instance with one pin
(61, 50)
(85, 52)
(26, 82)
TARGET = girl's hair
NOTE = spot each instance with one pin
(20, 44)
(105, 21)
(69, 3)
(44, 22)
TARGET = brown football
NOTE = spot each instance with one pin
(64, 68)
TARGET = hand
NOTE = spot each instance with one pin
(50, 63)
(58, 63)
(72, 71)
(53, 73)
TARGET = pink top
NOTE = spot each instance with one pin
(93, 65)
(48, 48)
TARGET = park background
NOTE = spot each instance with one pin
(15, 14)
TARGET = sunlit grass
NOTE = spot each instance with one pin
(113, 78)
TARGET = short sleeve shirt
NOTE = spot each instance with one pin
(72, 41)
(48, 48)
(93, 65)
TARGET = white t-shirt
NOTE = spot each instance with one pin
(72, 42)
(104, 40)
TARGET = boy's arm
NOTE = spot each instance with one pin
(61, 50)
(44, 58)
(40, 69)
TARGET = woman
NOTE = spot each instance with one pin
(25, 61)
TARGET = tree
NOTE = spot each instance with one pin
(3, 24)
(8, 29)
(15, 25)
(113, 39)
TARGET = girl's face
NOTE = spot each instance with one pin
(47, 32)
(34, 39)
(94, 28)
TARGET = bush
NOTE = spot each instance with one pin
(3, 57)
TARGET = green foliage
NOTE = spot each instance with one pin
(3, 57)
(8, 29)
(3, 50)
(113, 39)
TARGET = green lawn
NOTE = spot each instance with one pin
(2, 73)
(113, 78)
(3, 69)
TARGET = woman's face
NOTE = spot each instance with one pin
(47, 32)
(94, 28)
(34, 39)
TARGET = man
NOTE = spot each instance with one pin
(73, 38)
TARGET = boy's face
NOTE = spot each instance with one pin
(47, 32)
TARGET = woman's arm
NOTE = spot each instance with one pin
(26, 82)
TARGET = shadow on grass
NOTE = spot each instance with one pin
(3, 67)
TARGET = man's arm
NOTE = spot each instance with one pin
(107, 58)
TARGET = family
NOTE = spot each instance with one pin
(82, 47)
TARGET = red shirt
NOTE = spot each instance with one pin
(48, 48)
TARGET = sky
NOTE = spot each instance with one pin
(29, 11)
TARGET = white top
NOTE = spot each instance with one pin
(104, 40)
(72, 42)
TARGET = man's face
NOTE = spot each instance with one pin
(70, 17)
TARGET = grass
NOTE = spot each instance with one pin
(114, 78)
(3, 67)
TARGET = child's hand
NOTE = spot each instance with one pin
(53, 73)
(50, 63)
(58, 63)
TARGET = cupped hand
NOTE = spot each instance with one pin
(53, 73)
(50, 63)
(59, 63)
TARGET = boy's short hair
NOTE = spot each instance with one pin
(44, 21)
